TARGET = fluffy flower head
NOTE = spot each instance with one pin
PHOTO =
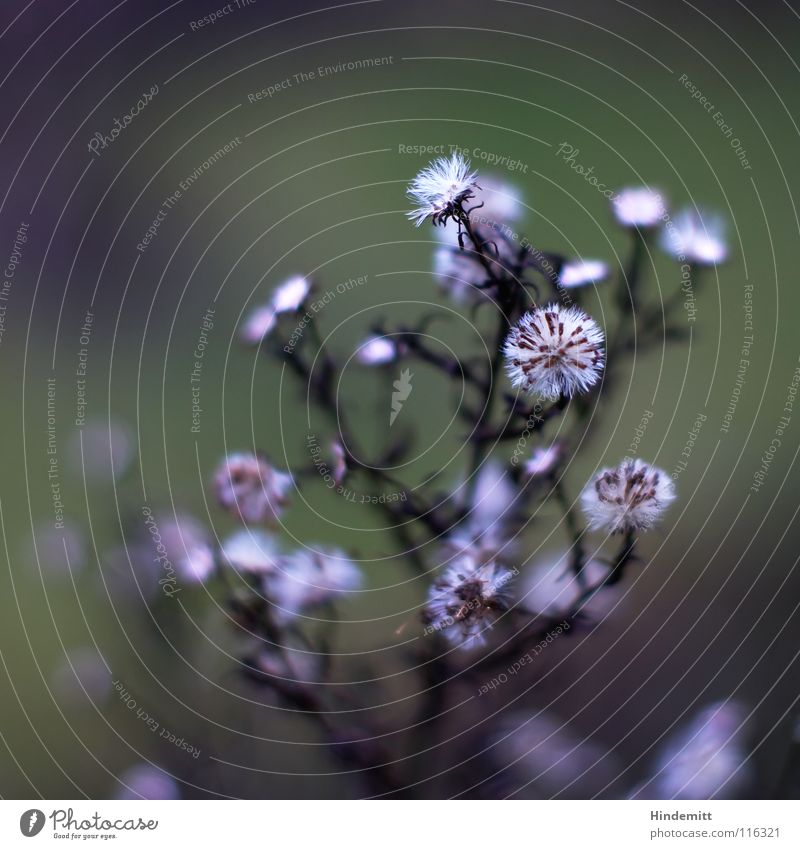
(555, 351)
(639, 207)
(464, 602)
(250, 488)
(377, 351)
(694, 238)
(579, 272)
(251, 552)
(632, 497)
(307, 578)
(440, 188)
(543, 460)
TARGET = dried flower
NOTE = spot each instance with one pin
(639, 207)
(696, 238)
(631, 497)
(250, 488)
(250, 551)
(307, 578)
(543, 460)
(440, 188)
(579, 272)
(464, 602)
(377, 351)
(555, 351)
(704, 760)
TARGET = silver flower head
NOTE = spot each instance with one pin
(554, 351)
(639, 206)
(580, 272)
(249, 487)
(696, 238)
(307, 578)
(440, 189)
(631, 497)
(250, 552)
(377, 351)
(465, 601)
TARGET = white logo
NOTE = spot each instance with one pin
(402, 389)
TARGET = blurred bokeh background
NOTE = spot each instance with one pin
(314, 183)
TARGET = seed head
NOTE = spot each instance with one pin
(555, 351)
(632, 497)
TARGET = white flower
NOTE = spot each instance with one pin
(250, 488)
(550, 588)
(694, 238)
(639, 207)
(251, 551)
(377, 351)
(440, 189)
(704, 760)
(555, 351)
(632, 497)
(465, 601)
(579, 272)
(289, 296)
(259, 325)
(188, 546)
(543, 460)
(307, 578)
